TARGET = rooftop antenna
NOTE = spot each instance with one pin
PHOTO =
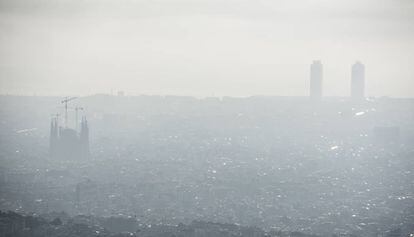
(65, 101)
(76, 110)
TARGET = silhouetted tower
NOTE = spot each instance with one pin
(65, 101)
(76, 117)
(316, 76)
(358, 81)
(67, 143)
(84, 137)
(54, 137)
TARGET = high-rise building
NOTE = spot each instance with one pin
(316, 76)
(358, 81)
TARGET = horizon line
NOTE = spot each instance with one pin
(367, 98)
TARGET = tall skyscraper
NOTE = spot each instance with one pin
(358, 81)
(316, 75)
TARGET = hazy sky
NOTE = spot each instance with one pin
(204, 47)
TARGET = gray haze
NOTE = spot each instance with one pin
(156, 164)
(204, 47)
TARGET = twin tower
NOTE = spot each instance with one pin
(357, 81)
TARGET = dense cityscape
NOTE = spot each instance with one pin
(206, 118)
(281, 164)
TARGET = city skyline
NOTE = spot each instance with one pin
(204, 48)
(316, 83)
(206, 118)
(357, 89)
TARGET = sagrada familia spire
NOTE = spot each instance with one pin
(67, 143)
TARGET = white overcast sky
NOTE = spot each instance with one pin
(204, 47)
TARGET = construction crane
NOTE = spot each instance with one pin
(76, 110)
(65, 101)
